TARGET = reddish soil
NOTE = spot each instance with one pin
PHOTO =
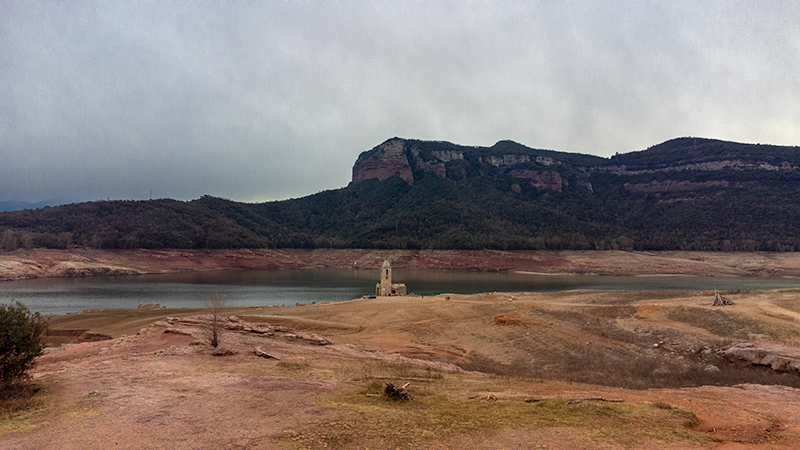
(163, 388)
(35, 263)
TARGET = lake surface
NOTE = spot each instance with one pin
(276, 287)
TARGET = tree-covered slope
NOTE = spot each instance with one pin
(688, 193)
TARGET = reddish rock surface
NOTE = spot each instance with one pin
(540, 180)
(389, 159)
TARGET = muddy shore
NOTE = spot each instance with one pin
(49, 263)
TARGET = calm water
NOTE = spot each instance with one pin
(275, 287)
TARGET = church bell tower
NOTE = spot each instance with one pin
(386, 278)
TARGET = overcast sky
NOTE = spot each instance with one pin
(258, 101)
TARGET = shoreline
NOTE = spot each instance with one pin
(81, 262)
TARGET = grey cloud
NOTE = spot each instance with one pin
(268, 100)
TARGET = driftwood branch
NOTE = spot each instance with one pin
(573, 401)
(594, 399)
(262, 353)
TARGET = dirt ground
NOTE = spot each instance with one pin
(35, 263)
(576, 369)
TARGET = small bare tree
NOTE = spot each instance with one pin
(214, 329)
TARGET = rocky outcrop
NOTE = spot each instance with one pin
(403, 158)
(448, 155)
(150, 306)
(436, 167)
(194, 326)
(505, 160)
(708, 166)
(781, 359)
(384, 161)
(72, 269)
(657, 187)
(540, 180)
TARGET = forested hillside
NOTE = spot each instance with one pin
(687, 193)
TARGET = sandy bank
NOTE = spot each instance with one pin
(37, 263)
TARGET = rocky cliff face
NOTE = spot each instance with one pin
(540, 179)
(404, 158)
(655, 187)
(678, 168)
(384, 161)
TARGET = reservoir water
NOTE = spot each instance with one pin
(276, 287)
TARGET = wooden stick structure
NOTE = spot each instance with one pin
(720, 300)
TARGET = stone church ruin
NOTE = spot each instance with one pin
(386, 288)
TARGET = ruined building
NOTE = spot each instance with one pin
(386, 287)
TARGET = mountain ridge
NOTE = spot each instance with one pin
(683, 194)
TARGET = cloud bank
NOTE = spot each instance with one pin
(268, 100)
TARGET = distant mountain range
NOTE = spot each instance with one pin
(683, 194)
(19, 206)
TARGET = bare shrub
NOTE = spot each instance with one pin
(215, 328)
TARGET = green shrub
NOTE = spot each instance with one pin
(20, 341)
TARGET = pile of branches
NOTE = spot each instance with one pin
(720, 300)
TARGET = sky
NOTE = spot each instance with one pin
(267, 100)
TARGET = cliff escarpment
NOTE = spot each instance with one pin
(384, 161)
(413, 159)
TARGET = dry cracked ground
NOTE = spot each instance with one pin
(569, 370)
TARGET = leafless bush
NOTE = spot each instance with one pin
(215, 328)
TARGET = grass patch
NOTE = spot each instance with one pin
(628, 297)
(630, 370)
(792, 304)
(88, 405)
(388, 370)
(292, 366)
(20, 404)
(732, 326)
(432, 416)
(630, 366)
(601, 322)
(724, 325)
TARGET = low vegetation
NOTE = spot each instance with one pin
(463, 408)
(21, 333)
(611, 352)
(732, 326)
